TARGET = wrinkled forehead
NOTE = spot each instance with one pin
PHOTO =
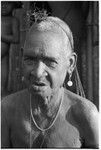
(51, 42)
(42, 36)
(46, 43)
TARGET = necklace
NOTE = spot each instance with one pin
(39, 128)
(43, 130)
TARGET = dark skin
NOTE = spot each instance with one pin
(46, 61)
(9, 35)
(85, 117)
(77, 121)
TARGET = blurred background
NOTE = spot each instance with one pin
(83, 19)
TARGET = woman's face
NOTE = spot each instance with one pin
(45, 65)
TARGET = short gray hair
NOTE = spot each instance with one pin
(56, 24)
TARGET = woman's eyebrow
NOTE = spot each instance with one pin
(51, 59)
(48, 58)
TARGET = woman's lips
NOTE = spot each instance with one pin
(38, 86)
(39, 83)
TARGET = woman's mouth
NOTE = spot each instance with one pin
(39, 83)
(39, 86)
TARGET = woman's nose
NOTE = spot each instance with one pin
(39, 70)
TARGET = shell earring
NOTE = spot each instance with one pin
(70, 83)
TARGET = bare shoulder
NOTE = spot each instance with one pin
(84, 115)
(80, 105)
(11, 101)
(85, 108)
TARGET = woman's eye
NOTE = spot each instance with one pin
(51, 64)
(30, 61)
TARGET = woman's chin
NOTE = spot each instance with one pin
(38, 90)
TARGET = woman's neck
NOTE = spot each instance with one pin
(46, 106)
(44, 115)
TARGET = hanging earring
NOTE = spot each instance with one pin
(70, 83)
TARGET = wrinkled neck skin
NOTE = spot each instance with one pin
(46, 106)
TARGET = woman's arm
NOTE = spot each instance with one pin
(86, 116)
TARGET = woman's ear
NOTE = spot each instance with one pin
(72, 62)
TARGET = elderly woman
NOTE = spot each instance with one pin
(46, 115)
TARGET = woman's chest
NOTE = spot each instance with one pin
(61, 135)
